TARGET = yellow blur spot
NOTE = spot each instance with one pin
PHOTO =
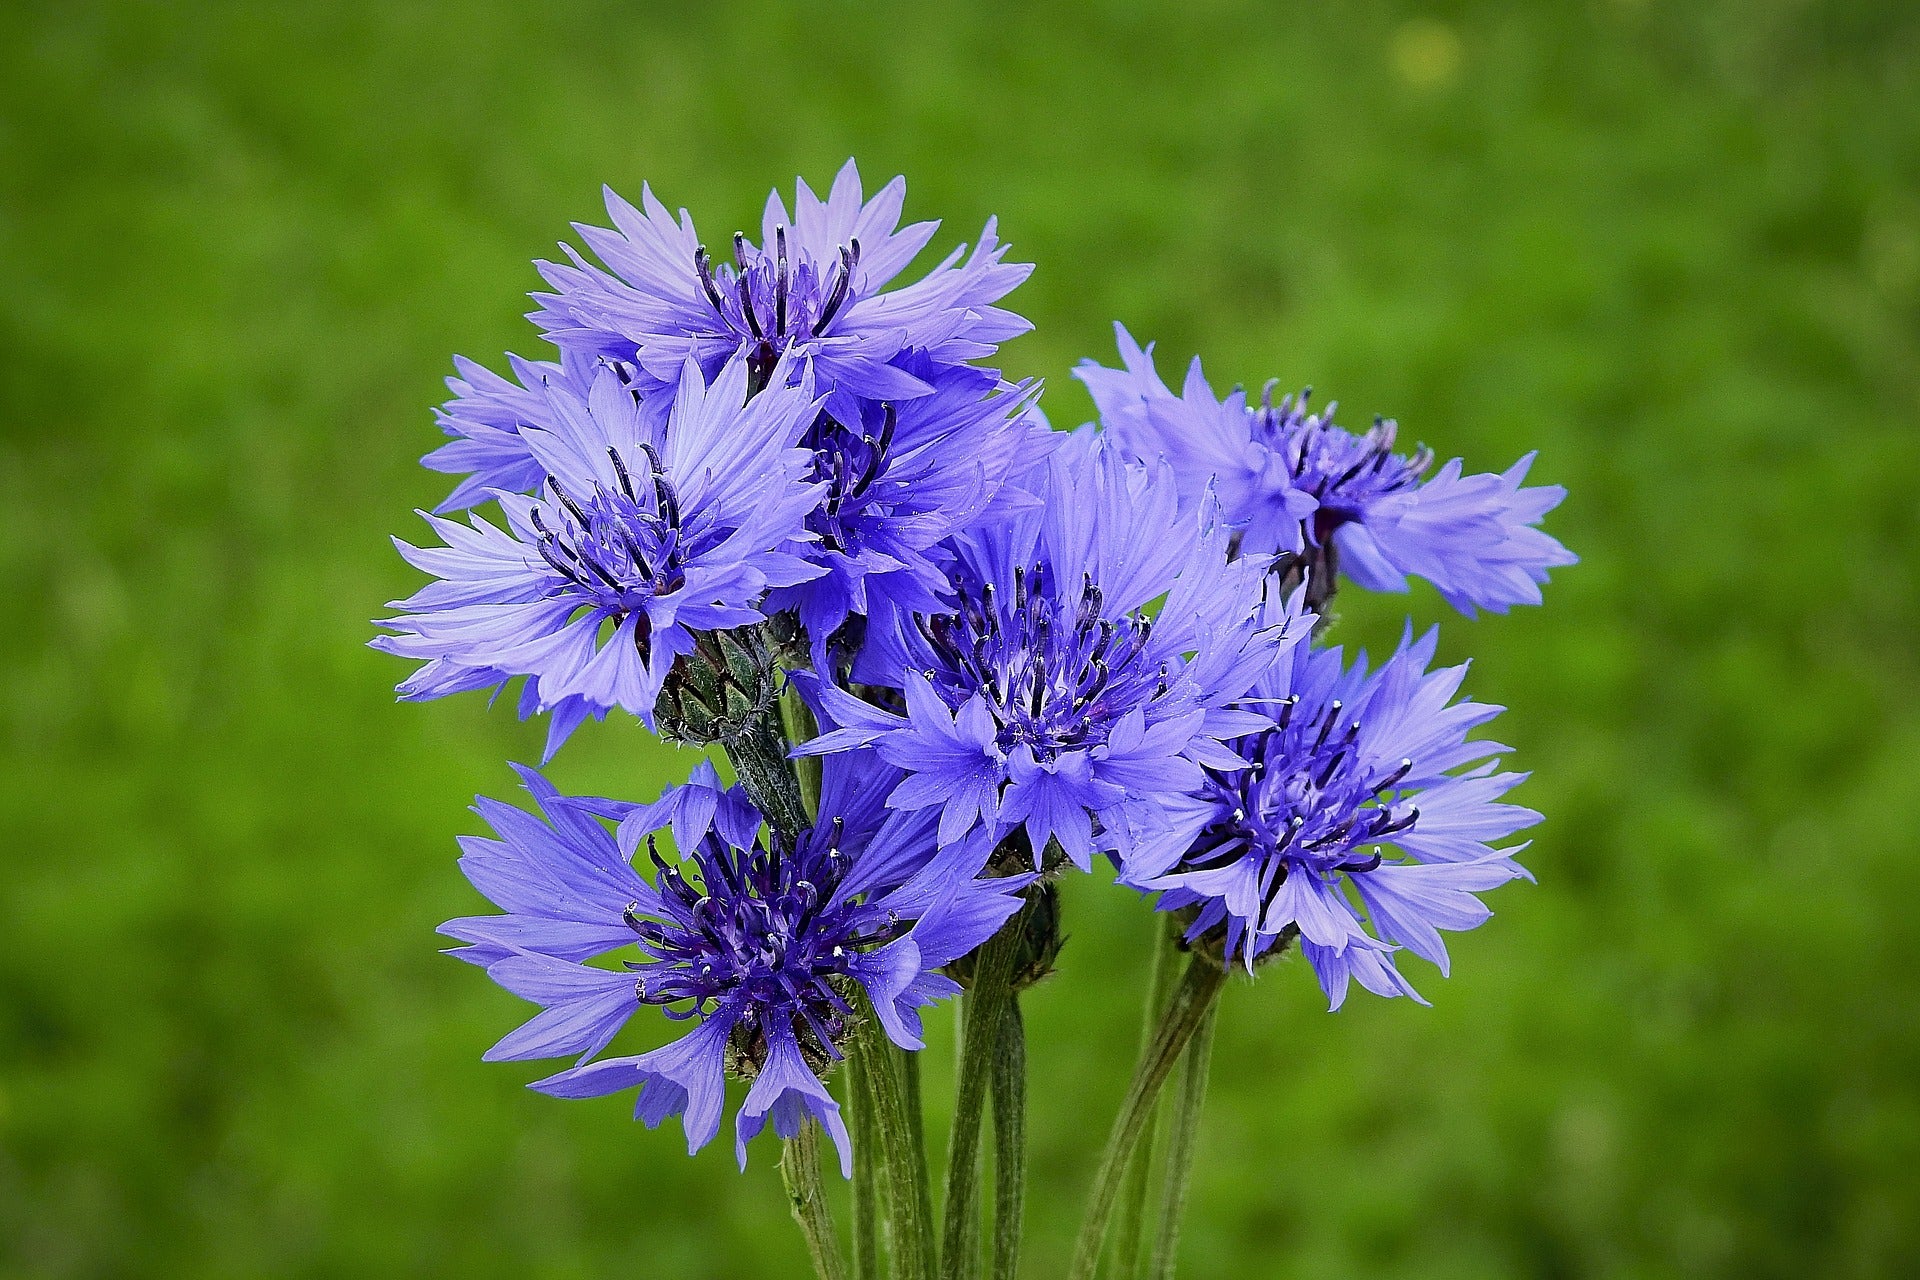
(1426, 53)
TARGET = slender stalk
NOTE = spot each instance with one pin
(1189, 1096)
(907, 1231)
(964, 1257)
(866, 1255)
(797, 719)
(759, 756)
(1009, 1142)
(970, 1246)
(807, 1197)
(1185, 1010)
(985, 1022)
(1133, 1199)
(909, 1065)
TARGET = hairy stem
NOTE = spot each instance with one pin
(1009, 1142)
(1133, 1198)
(985, 1023)
(797, 719)
(759, 756)
(903, 1177)
(970, 1245)
(1186, 1009)
(807, 1197)
(909, 1064)
(1189, 1096)
(866, 1256)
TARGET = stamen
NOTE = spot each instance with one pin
(849, 259)
(742, 285)
(547, 547)
(704, 266)
(780, 281)
(1326, 725)
(566, 500)
(1386, 783)
(620, 470)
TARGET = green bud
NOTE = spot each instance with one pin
(715, 693)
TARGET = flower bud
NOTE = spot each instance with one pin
(720, 689)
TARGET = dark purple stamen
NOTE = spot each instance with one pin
(768, 931)
(1305, 801)
(1052, 667)
(608, 544)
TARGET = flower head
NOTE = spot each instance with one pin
(641, 533)
(485, 418)
(1291, 480)
(1044, 693)
(764, 947)
(1296, 844)
(898, 481)
(811, 289)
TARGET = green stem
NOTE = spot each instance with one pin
(1009, 1142)
(1133, 1200)
(909, 1064)
(985, 1022)
(807, 1197)
(1185, 1010)
(1189, 1096)
(965, 1256)
(864, 1133)
(970, 1246)
(797, 718)
(759, 756)
(907, 1231)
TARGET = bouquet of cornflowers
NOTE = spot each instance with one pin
(766, 502)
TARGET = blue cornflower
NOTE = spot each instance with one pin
(762, 947)
(640, 534)
(1043, 693)
(1296, 844)
(893, 481)
(1290, 480)
(900, 479)
(810, 289)
(485, 418)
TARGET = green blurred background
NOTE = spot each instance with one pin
(1675, 247)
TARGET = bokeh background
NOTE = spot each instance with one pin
(1674, 247)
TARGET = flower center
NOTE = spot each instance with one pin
(770, 301)
(847, 461)
(613, 547)
(1306, 800)
(1343, 471)
(1053, 670)
(758, 929)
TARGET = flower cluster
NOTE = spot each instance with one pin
(1044, 693)
(763, 500)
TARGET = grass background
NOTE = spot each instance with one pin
(1675, 247)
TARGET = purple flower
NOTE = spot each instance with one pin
(1296, 845)
(810, 289)
(641, 533)
(1044, 694)
(912, 443)
(485, 418)
(901, 478)
(760, 947)
(1290, 480)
